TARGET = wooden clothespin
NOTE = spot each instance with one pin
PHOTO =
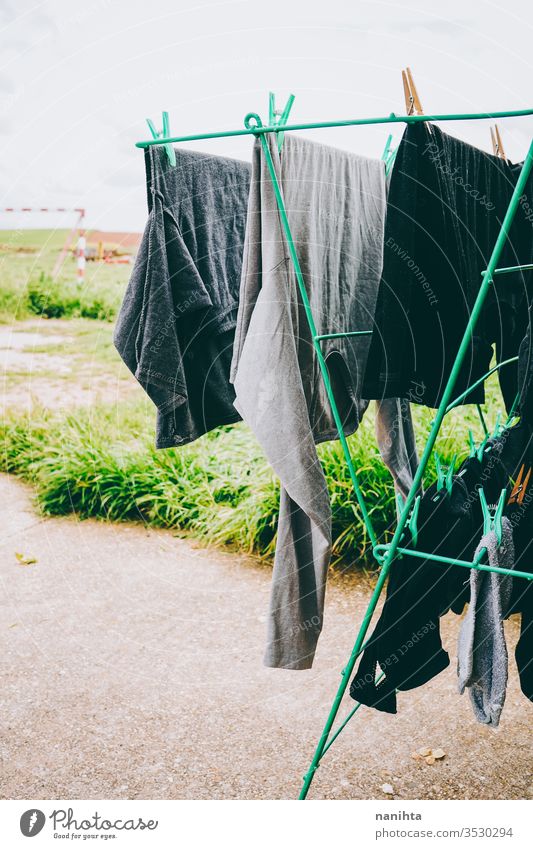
(497, 145)
(412, 100)
(163, 134)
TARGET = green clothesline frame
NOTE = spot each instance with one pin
(384, 553)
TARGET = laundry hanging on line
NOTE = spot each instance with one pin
(177, 325)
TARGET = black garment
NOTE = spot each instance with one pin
(418, 593)
(176, 325)
(406, 642)
(525, 374)
(446, 204)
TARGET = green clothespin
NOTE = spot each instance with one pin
(390, 161)
(492, 521)
(279, 117)
(163, 134)
(389, 155)
(412, 521)
(476, 450)
(444, 476)
(386, 153)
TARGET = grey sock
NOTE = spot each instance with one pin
(482, 652)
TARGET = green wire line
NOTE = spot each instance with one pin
(351, 122)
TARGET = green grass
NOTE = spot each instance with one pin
(26, 287)
(101, 463)
(45, 240)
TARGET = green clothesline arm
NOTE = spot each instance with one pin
(319, 125)
(450, 561)
(345, 722)
(510, 268)
(426, 454)
(341, 335)
(481, 380)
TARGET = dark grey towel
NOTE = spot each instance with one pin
(482, 662)
(176, 325)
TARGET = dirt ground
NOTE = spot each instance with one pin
(131, 668)
(43, 362)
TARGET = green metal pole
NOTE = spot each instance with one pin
(321, 361)
(446, 396)
(387, 119)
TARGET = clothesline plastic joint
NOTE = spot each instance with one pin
(252, 121)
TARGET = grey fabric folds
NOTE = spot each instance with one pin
(395, 436)
(482, 660)
(336, 208)
(177, 321)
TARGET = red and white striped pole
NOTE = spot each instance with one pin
(80, 256)
(68, 241)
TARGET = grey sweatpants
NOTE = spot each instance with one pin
(336, 207)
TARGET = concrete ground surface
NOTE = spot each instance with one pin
(131, 668)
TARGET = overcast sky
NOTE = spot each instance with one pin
(78, 79)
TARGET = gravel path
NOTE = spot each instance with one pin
(131, 668)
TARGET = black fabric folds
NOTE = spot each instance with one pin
(406, 642)
(446, 204)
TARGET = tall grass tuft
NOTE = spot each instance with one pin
(102, 463)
